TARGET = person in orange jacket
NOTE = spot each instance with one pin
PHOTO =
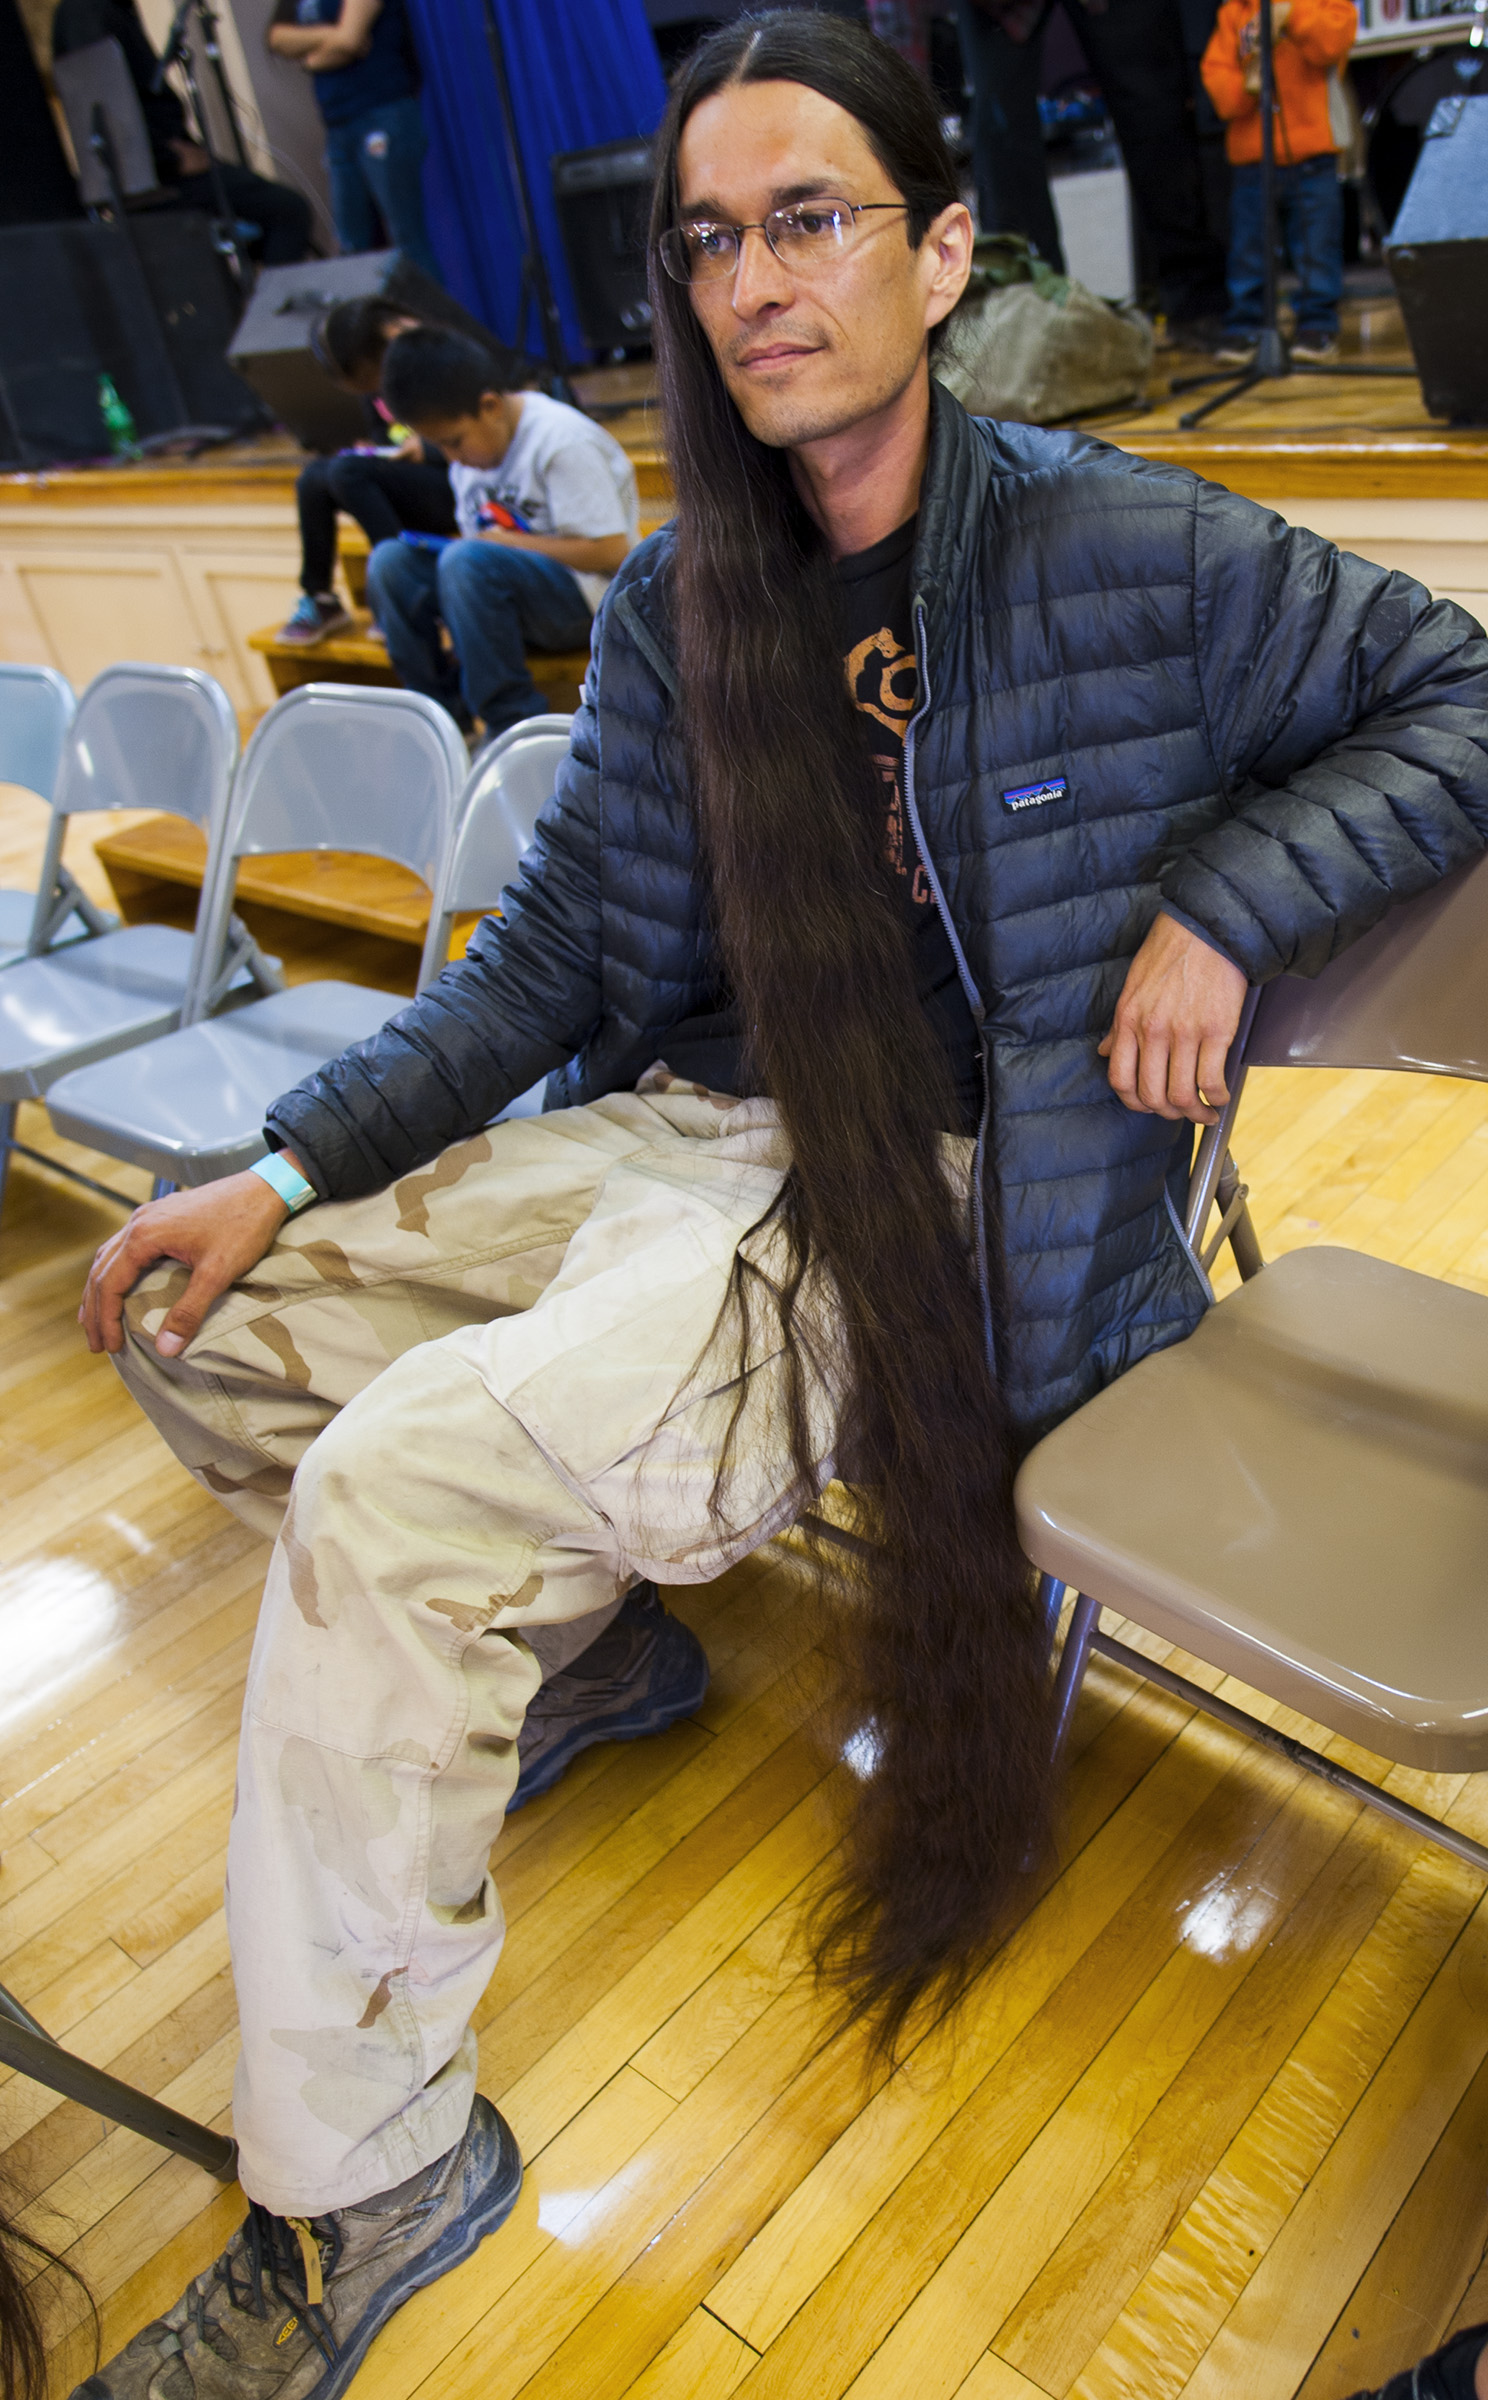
(1310, 38)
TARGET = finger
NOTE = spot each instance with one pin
(1184, 1094)
(1121, 1047)
(91, 1311)
(1214, 1051)
(184, 1321)
(1152, 1073)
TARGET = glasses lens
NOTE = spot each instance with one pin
(811, 235)
(698, 252)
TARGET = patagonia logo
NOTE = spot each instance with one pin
(1035, 795)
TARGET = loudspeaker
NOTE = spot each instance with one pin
(1438, 257)
(604, 200)
(271, 349)
(152, 306)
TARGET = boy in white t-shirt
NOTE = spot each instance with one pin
(546, 506)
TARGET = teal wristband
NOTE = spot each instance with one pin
(286, 1180)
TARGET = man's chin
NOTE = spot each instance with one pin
(788, 420)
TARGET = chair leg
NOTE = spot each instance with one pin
(161, 1188)
(31, 2052)
(7, 1136)
(1073, 1660)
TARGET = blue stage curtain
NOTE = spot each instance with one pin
(581, 72)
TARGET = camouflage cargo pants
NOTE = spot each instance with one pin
(483, 1387)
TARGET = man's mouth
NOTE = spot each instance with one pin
(775, 354)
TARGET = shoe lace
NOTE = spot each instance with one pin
(276, 2251)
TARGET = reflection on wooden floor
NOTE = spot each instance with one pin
(1215, 2124)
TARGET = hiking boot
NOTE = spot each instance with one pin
(290, 2309)
(314, 617)
(640, 1675)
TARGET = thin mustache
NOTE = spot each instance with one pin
(741, 352)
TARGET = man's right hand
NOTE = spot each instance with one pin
(219, 1231)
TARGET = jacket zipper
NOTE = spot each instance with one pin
(968, 985)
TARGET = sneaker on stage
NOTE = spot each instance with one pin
(290, 2309)
(314, 617)
(1236, 350)
(1315, 349)
(640, 1675)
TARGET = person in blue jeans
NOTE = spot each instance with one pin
(360, 57)
(546, 505)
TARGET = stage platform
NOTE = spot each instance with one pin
(196, 562)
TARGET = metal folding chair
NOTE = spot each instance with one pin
(31, 2051)
(1297, 1494)
(37, 706)
(499, 809)
(331, 767)
(148, 737)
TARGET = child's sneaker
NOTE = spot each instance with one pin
(313, 618)
(290, 2309)
(1315, 349)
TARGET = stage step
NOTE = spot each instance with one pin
(356, 656)
(365, 895)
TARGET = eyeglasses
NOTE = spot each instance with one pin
(813, 235)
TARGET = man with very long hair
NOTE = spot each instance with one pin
(938, 789)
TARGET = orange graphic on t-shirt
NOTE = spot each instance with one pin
(876, 672)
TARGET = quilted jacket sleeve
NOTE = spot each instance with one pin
(1348, 716)
(520, 1002)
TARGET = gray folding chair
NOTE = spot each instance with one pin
(37, 706)
(150, 737)
(507, 792)
(1297, 1494)
(331, 767)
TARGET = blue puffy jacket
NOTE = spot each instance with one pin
(1267, 736)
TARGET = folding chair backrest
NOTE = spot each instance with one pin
(333, 767)
(498, 811)
(1412, 992)
(161, 738)
(37, 706)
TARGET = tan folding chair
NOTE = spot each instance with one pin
(1298, 1494)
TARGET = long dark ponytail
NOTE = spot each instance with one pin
(943, 1653)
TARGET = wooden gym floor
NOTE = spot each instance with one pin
(1216, 2123)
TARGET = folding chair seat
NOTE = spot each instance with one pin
(153, 737)
(331, 767)
(37, 706)
(506, 794)
(1298, 1494)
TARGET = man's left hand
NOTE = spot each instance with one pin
(1174, 1023)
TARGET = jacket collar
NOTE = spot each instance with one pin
(953, 496)
(958, 475)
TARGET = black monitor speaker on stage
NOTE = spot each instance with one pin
(604, 201)
(1438, 257)
(272, 347)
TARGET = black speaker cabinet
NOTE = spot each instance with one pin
(604, 202)
(271, 349)
(153, 307)
(1438, 256)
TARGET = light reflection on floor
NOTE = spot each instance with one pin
(55, 1615)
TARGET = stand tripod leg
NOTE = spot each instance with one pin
(1242, 383)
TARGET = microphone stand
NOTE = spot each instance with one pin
(536, 283)
(178, 51)
(1273, 361)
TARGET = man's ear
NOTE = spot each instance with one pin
(947, 248)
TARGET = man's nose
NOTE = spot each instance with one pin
(760, 279)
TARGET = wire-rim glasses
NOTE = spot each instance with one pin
(808, 236)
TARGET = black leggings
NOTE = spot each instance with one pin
(385, 495)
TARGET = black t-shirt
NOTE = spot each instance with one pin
(879, 657)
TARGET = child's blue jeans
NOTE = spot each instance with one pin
(495, 602)
(1309, 214)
